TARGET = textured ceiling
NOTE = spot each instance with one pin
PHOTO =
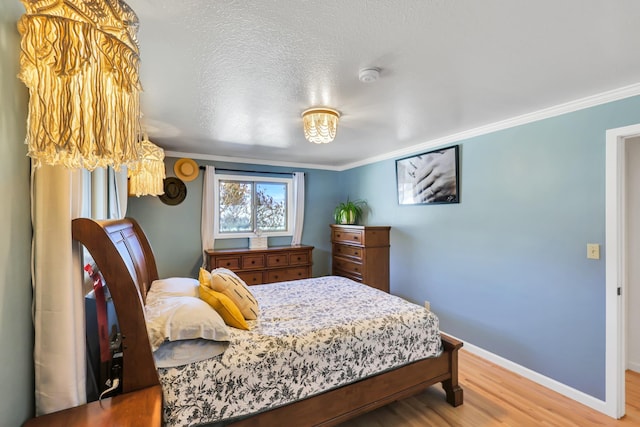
(231, 78)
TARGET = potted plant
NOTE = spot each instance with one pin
(349, 212)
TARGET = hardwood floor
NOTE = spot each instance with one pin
(494, 396)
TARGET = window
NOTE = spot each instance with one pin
(250, 205)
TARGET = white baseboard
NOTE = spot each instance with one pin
(634, 366)
(565, 390)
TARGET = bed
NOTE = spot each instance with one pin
(125, 259)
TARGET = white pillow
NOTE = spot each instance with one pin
(173, 286)
(174, 318)
(178, 353)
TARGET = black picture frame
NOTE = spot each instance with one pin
(429, 178)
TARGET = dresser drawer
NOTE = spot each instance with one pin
(347, 265)
(299, 258)
(348, 275)
(347, 235)
(252, 261)
(278, 260)
(287, 274)
(232, 263)
(354, 252)
(252, 277)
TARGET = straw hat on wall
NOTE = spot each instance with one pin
(186, 169)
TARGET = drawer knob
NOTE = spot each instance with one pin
(228, 264)
(356, 237)
(338, 235)
(253, 262)
(277, 259)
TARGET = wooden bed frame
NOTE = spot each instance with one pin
(125, 258)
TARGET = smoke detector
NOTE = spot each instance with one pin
(369, 75)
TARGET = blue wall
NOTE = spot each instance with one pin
(174, 231)
(16, 327)
(506, 269)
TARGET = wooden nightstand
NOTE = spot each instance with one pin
(133, 409)
(361, 253)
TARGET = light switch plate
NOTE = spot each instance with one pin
(593, 251)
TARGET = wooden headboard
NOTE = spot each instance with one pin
(125, 259)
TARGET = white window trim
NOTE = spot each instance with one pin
(252, 178)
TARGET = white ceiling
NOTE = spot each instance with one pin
(231, 78)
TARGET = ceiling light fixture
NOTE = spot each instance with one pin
(320, 124)
(79, 60)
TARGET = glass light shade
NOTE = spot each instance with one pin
(320, 125)
(146, 176)
(79, 60)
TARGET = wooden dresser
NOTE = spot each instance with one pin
(259, 266)
(361, 253)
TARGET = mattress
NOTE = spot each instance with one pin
(311, 336)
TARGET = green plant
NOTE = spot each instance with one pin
(349, 212)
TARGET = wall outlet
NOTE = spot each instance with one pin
(427, 305)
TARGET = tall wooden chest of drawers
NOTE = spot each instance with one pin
(361, 253)
(259, 266)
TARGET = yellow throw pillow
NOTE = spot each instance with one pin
(224, 306)
(235, 288)
(204, 277)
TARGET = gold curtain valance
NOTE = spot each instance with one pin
(80, 62)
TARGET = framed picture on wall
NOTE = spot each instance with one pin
(429, 178)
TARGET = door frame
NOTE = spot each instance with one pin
(615, 268)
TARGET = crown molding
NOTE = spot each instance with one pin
(243, 160)
(557, 110)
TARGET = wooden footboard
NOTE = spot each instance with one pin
(339, 405)
(450, 385)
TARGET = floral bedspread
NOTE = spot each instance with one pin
(311, 335)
